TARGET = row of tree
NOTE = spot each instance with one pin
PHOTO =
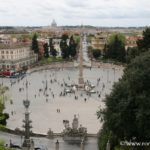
(68, 47)
(127, 113)
(68, 50)
(115, 48)
(3, 116)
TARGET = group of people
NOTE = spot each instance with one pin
(47, 89)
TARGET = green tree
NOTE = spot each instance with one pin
(53, 51)
(96, 53)
(3, 116)
(64, 46)
(77, 38)
(35, 47)
(46, 51)
(72, 47)
(115, 48)
(132, 52)
(51, 46)
(2, 146)
(127, 110)
(144, 44)
(120, 36)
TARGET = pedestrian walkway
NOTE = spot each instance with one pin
(84, 55)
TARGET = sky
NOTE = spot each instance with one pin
(110, 13)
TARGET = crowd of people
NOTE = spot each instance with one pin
(50, 82)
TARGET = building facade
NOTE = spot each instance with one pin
(56, 42)
(99, 41)
(16, 58)
(131, 41)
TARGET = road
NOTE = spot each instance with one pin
(84, 49)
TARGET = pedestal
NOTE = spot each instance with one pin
(81, 80)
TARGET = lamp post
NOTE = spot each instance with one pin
(3, 71)
(27, 143)
(114, 74)
(108, 145)
(107, 75)
(57, 145)
(82, 144)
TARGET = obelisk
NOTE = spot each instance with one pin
(81, 80)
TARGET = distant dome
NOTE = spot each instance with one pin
(53, 24)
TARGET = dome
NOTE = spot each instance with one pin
(53, 24)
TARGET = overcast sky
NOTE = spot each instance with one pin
(75, 12)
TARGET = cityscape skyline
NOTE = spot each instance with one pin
(109, 13)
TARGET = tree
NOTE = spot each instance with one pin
(46, 51)
(53, 51)
(127, 110)
(116, 48)
(144, 44)
(96, 53)
(51, 46)
(3, 116)
(120, 36)
(72, 47)
(132, 52)
(2, 146)
(35, 44)
(64, 46)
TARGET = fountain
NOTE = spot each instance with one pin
(75, 134)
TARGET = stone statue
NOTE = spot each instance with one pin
(75, 123)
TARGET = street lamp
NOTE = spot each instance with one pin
(108, 145)
(26, 103)
(27, 126)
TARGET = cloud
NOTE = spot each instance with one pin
(77, 3)
(3, 11)
(37, 12)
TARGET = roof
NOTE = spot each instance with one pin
(13, 46)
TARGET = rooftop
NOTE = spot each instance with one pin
(13, 46)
